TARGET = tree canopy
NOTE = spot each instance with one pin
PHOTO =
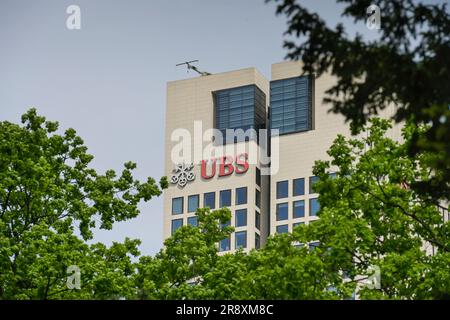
(369, 217)
(406, 65)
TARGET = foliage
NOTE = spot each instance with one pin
(406, 64)
(46, 189)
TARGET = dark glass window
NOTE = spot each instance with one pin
(297, 224)
(282, 211)
(257, 220)
(177, 205)
(312, 182)
(291, 104)
(241, 239)
(239, 108)
(299, 187)
(258, 177)
(257, 241)
(224, 244)
(314, 245)
(241, 195)
(314, 206)
(176, 224)
(282, 189)
(298, 209)
(193, 203)
(283, 228)
(241, 217)
(225, 198)
(258, 198)
(193, 221)
(209, 200)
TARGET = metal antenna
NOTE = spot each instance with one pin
(190, 66)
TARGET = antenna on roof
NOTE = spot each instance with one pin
(190, 66)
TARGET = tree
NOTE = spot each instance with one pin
(369, 218)
(46, 190)
(407, 65)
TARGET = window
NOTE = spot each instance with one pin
(312, 182)
(298, 209)
(241, 195)
(314, 206)
(257, 241)
(193, 221)
(282, 189)
(333, 175)
(225, 198)
(283, 228)
(241, 239)
(291, 104)
(257, 220)
(209, 200)
(258, 198)
(241, 217)
(282, 211)
(193, 203)
(299, 187)
(258, 177)
(224, 244)
(313, 245)
(176, 224)
(239, 108)
(297, 224)
(177, 205)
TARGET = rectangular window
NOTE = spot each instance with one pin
(258, 198)
(298, 209)
(241, 239)
(241, 217)
(209, 200)
(176, 224)
(291, 102)
(177, 205)
(258, 177)
(284, 228)
(225, 198)
(193, 203)
(297, 224)
(299, 187)
(312, 182)
(314, 206)
(282, 189)
(282, 211)
(241, 195)
(224, 244)
(257, 220)
(239, 108)
(193, 221)
(257, 241)
(314, 245)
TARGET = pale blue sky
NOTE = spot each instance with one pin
(108, 79)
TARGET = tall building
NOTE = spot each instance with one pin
(206, 171)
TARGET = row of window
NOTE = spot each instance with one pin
(240, 217)
(209, 200)
(298, 209)
(284, 228)
(298, 186)
(240, 241)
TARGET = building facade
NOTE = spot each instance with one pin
(264, 197)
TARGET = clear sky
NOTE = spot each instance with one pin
(108, 80)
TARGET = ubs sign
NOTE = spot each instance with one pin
(182, 174)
